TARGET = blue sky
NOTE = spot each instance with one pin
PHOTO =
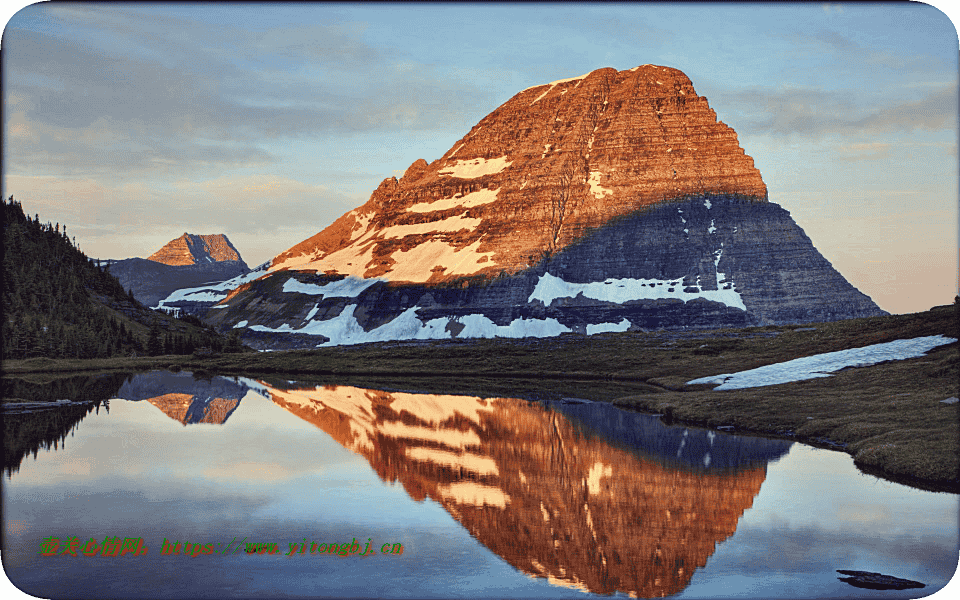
(134, 123)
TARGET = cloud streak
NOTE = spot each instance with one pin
(814, 113)
(82, 106)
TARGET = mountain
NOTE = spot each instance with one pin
(612, 201)
(58, 303)
(186, 262)
(190, 249)
(185, 399)
(554, 497)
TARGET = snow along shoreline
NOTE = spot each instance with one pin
(822, 365)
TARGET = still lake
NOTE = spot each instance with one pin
(488, 497)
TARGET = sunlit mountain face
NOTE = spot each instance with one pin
(596, 503)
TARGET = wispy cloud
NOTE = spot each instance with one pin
(833, 44)
(814, 112)
(149, 94)
(864, 151)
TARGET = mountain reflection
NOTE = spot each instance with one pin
(583, 501)
(184, 398)
(40, 415)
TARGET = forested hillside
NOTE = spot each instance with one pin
(58, 303)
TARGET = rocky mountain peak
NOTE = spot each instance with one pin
(552, 163)
(609, 202)
(192, 249)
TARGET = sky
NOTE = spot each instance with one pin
(133, 123)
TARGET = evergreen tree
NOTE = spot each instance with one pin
(54, 297)
(154, 345)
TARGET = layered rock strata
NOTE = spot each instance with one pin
(553, 496)
(613, 201)
(696, 263)
(552, 163)
(192, 249)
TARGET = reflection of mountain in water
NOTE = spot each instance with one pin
(33, 419)
(185, 399)
(680, 446)
(550, 498)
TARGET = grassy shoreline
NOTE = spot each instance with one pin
(889, 417)
(891, 426)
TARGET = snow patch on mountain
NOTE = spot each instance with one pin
(349, 287)
(345, 330)
(456, 223)
(822, 365)
(609, 327)
(550, 288)
(596, 189)
(472, 168)
(351, 260)
(553, 84)
(214, 292)
(478, 198)
(417, 264)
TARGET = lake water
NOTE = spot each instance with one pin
(488, 497)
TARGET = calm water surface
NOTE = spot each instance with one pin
(489, 497)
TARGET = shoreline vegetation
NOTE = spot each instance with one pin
(889, 417)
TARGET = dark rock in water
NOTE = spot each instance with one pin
(877, 581)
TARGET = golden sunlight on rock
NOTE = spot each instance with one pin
(535, 175)
(553, 501)
(178, 408)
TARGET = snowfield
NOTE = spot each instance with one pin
(213, 292)
(472, 168)
(478, 198)
(596, 189)
(822, 365)
(549, 288)
(349, 287)
(345, 330)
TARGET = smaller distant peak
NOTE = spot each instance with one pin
(191, 249)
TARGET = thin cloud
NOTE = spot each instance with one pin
(814, 113)
(160, 98)
(262, 214)
(845, 50)
(863, 151)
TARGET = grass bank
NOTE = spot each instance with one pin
(889, 416)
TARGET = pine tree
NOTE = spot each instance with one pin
(154, 344)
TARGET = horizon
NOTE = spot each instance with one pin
(134, 123)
